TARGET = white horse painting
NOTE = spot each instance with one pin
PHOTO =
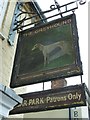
(47, 49)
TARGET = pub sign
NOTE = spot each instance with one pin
(71, 96)
(47, 52)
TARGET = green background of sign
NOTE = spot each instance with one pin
(33, 61)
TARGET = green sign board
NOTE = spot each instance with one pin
(47, 52)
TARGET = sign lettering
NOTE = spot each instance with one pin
(52, 99)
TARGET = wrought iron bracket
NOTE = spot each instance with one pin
(57, 6)
(18, 22)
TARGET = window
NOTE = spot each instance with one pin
(3, 6)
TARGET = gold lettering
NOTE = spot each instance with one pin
(70, 96)
(24, 103)
(74, 96)
(25, 34)
(48, 99)
(41, 101)
(79, 96)
(56, 25)
(19, 105)
(69, 21)
(30, 102)
(37, 31)
(65, 98)
(54, 99)
(37, 100)
(48, 27)
(33, 101)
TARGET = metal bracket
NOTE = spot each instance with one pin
(18, 21)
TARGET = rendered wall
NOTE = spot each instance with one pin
(64, 113)
(7, 52)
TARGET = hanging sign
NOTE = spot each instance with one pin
(71, 96)
(47, 52)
